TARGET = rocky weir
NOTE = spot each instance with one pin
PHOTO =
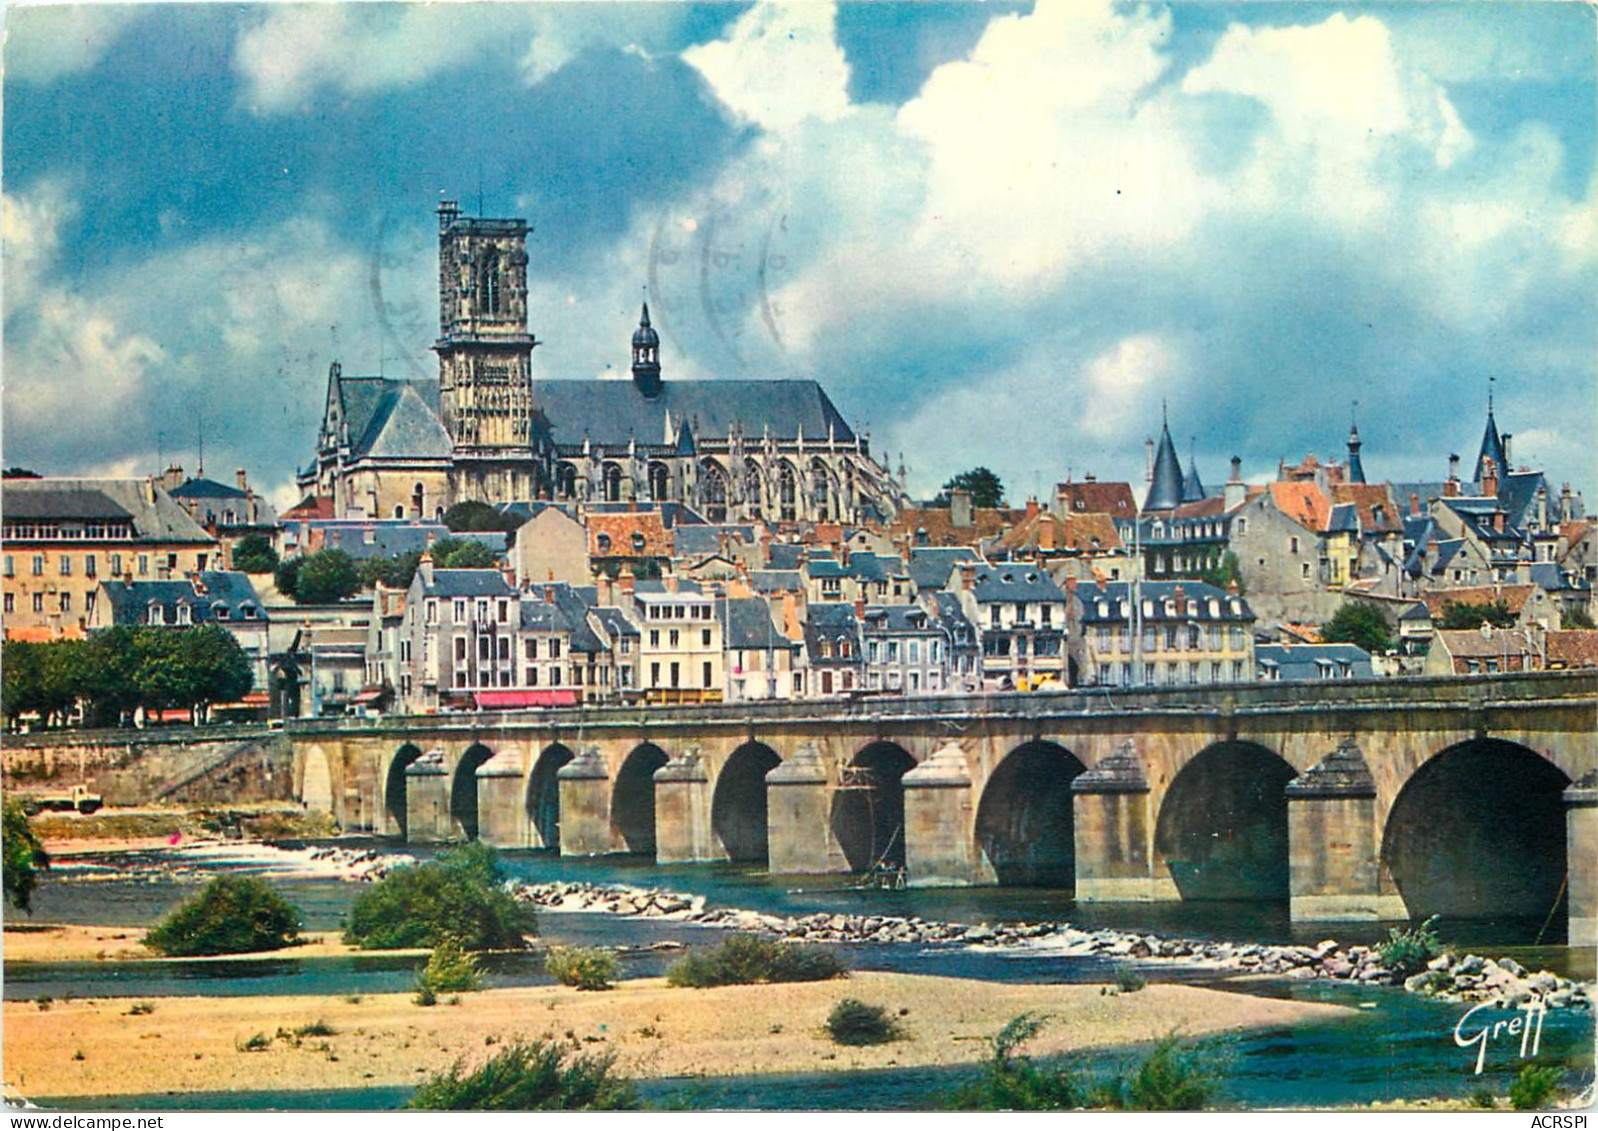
(1500, 982)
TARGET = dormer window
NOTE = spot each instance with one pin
(638, 542)
(183, 612)
(1103, 608)
(219, 611)
(157, 614)
(602, 543)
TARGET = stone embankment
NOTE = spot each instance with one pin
(1449, 977)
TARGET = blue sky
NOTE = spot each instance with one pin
(998, 233)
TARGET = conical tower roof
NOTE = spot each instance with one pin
(1165, 491)
(1192, 488)
(1492, 447)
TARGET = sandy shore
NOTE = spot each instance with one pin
(195, 1044)
(45, 942)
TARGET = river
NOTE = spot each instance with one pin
(1395, 1045)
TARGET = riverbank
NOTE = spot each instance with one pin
(199, 1044)
(52, 942)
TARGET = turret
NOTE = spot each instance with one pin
(646, 357)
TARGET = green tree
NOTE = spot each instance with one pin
(1358, 623)
(1577, 618)
(112, 685)
(459, 895)
(1224, 573)
(24, 856)
(231, 915)
(985, 487)
(220, 666)
(326, 577)
(254, 554)
(461, 553)
(287, 577)
(20, 678)
(1467, 614)
(474, 516)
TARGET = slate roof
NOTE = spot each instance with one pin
(615, 621)
(130, 601)
(467, 583)
(370, 538)
(1343, 519)
(698, 541)
(1117, 594)
(1165, 488)
(391, 417)
(898, 618)
(1492, 445)
(103, 499)
(833, 622)
(612, 412)
(206, 489)
(1014, 583)
(746, 624)
(930, 566)
(951, 614)
(1517, 494)
(1307, 661)
(784, 555)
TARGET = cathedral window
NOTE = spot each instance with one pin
(488, 285)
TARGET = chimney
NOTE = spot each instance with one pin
(1235, 492)
(1031, 508)
(1564, 503)
(1414, 503)
(1451, 487)
(960, 507)
(549, 594)
(1489, 478)
(1181, 599)
(859, 608)
(1498, 522)
(1148, 460)
(1509, 461)
(425, 567)
(968, 575)
(626, 581)
(244, 483)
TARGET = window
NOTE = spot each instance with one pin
(504, 611)
(504, 649)
(554, 648)
(707, 680)
(1241, 525)
(482, 612)
(893, 651)
(654, 674)
(872, 651)
(11, 566)
(1304, 570)
(530, 648)
(626, 646)
(458, 611)
(673, 638)
(1292, 544)
(993, 616)
(704, 638)
(532, 677)
(602, 543)
(638, 541)
(66, 602)
(1046, 614)
(11, 603)
(460, 649)
(155, 616)
(915, 651)
(676, 674)
(88, 566)
(183, 612)
(66, 565)
(432, 612)
(654, 638)
(38, 565)
(1170, 638)
(554, 677)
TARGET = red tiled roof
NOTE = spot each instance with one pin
(1303, 503)
(986, 522)
(1573, 648)
(1075, 532)
(1366, 497)
(1113, 499)
(621, 528)
(1513, 596)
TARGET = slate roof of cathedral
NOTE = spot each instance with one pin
(391, 417)
(612, 412)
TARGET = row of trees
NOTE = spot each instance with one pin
(329, 576)
(115, 672)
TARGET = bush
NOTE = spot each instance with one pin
(232, 915)
(1484, 1099)
(1128, 980)
(854, 1022)
(449, 970)
(529, 1076)
(1534, 1087)
(1014, 1083)
(745, 959)
(24, 855)
(1168, 1079)
(457, 896)
(254, 554)
(1360, 624)
(581, 966)
(1406, 952)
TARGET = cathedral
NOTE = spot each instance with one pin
(486, 430)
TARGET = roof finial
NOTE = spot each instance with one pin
(1490, 379)
(1165, 419)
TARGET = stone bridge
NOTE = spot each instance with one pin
(1378, 799)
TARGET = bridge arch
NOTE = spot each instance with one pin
(1024, 820)
(316, 781)
(543, 795)
(1222, 828)
(394, 805)
(632, 799)
(738, 805)
(868, 806)
(1478, 831)
(463, 789)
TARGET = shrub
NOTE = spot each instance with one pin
(581, 966)
(141, 1009)
(744, 959)
(24, 855)
(232, 915)
(258, 1043)
(1128, 980)
(1169, 1079)
(853, 1022)
(449, 970)
(254, 554)
(1534, 1087)
(1484, 1098)
(1406, 952)
(529, 1076)
(458, 895)
(1014, 1083)
(317, 1028)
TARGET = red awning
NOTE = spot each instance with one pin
(509, 700)
(368, 696)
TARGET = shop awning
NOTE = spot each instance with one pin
(511, 700)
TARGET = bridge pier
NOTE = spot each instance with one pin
(799, 836)
(1333, 842)
(502, 820)
(585, 828)
(427, 800)
(1113, 818)
(682, 810)
(938, 847)
(1581, 849)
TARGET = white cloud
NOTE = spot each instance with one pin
(45, 42)
(779, 65)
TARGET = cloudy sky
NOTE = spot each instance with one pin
(999, 234)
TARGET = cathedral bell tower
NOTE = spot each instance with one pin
(484, 347)
(646, 357)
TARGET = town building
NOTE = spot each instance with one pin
(1181, 632)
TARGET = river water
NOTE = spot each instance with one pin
(1395, 1045)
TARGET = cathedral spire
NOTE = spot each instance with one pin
(646, 357)
(1356, 470)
